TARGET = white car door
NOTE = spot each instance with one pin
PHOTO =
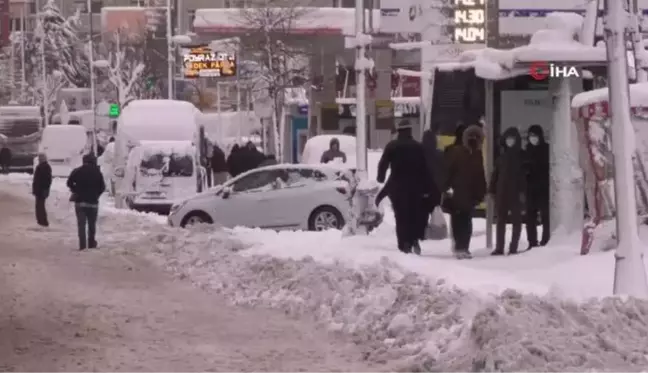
(292, 203)
(243, 206)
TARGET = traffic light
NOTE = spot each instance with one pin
(113, 110)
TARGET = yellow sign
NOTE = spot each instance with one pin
(203, 62)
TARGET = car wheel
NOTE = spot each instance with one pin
(196, 217)
(324, 218)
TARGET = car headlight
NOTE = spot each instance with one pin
(177, 206)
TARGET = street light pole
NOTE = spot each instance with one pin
(629, 270)
(93, 106)
(170, 55)
(361, 92)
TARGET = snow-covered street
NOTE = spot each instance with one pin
(111, 310)
(528, 312)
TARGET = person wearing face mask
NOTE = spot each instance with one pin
(464, 185)
(537, 192)
(508, 185)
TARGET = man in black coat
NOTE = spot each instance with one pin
(537, 191)
(86, 184)
(251, 157)
(508, 185)
(410, 188)
(41, 188)
(218, 165)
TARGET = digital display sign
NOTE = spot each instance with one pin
(469, 21)
(204, 62)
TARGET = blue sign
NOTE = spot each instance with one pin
(302, 109)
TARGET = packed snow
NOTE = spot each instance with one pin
(530, 312)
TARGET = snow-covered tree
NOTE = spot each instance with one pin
(282, 56)
(122, 67)
(64, 50)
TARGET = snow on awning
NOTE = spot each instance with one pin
(638, 97)
(308, 20)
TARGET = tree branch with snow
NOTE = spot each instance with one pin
(282, 55)
(122, 67)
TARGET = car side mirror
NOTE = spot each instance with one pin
(225, 194)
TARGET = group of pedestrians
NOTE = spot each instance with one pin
(86, 185)
(240, 160)
(422, 179)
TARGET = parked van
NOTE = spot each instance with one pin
(64, 146)
(159, 173)
(155, 121)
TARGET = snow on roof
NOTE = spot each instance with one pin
(20, 111)
(638, 96)
(556, 43)
(159, 120)
(314, 20)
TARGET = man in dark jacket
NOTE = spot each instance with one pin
(333, 152)
(5, 159)
(251, 157)
(464, 186)
(537, 186)
(218, 165)
(234, 161)
(508, 185)
(410, 188)
(86, 184)
(41, 188)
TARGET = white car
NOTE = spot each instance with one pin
(285, 196)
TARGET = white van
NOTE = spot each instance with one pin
(155, 121)
(64, 146)
(160, 173)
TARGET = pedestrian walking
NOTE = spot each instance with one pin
(218, 165)
(333, 152)
(86, 184)
(410, 188)
(537, 186)
(41, 184)
(508, 185)
(464, 186)
(5, 159)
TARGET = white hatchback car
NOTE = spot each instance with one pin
(281, 197)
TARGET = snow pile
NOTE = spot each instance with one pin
(396, 316)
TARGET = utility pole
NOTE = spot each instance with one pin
(361, 91)
(629, 271)
(93, 105)
(170, 55)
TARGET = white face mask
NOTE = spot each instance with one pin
(534, 140)
(510, 142)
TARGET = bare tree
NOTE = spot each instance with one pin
(281, 56)
(122, 67)
(197, 95)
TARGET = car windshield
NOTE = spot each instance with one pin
(169, 164)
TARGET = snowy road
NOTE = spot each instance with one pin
(62, 310)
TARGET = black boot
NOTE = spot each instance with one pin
(405, 247)
(416, 248)
(498, 251)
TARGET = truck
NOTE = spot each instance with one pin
(64, 145)
(156, 121)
